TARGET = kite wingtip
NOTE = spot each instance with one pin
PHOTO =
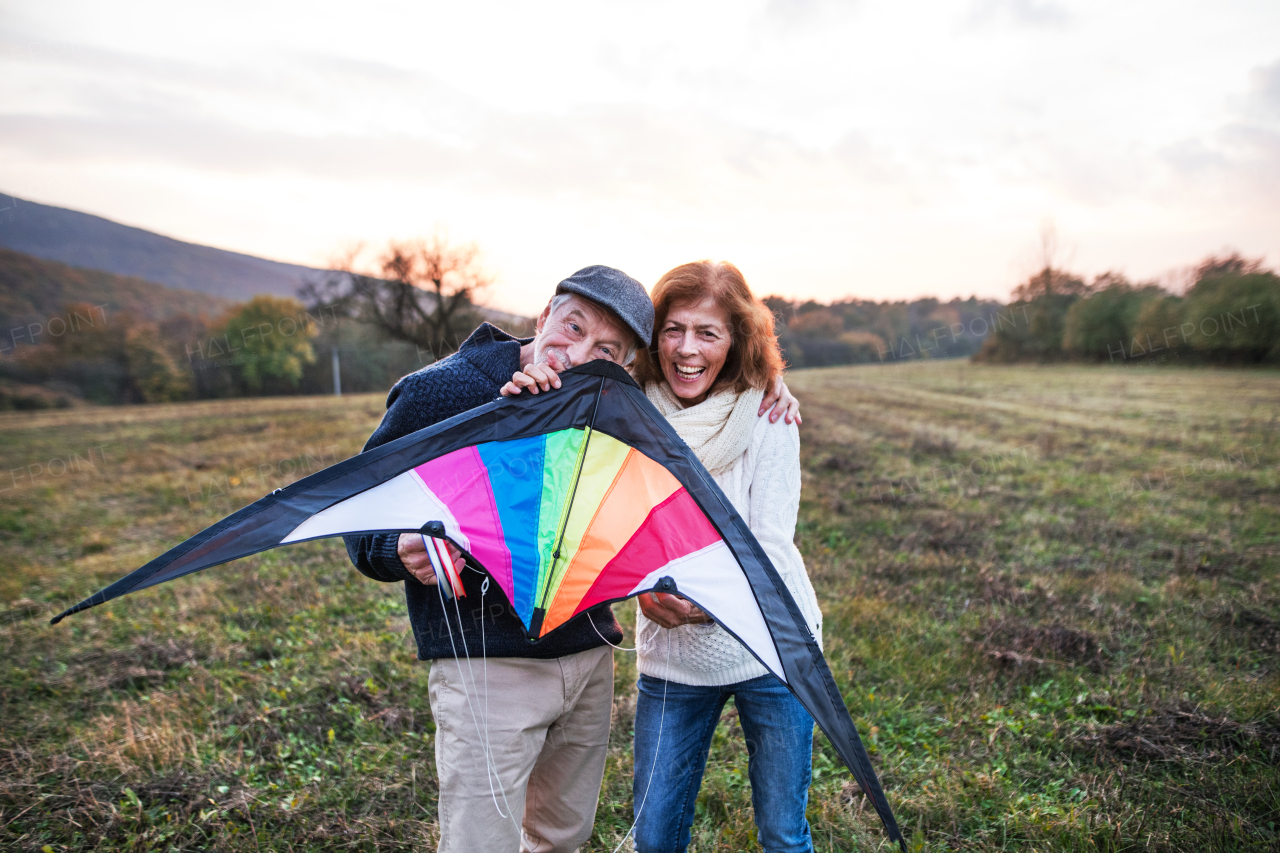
(63, 615)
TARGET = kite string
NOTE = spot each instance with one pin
(490, 769)
(656, 751)
(491, 766)
(592, 623)
(484, 662)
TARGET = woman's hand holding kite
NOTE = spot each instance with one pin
(671, 611)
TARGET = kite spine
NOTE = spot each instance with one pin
(539, 612)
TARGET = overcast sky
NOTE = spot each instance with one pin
(868, 148)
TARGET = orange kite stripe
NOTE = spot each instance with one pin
(640, 485)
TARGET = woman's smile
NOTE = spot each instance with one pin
(690, 372)
(693, 343)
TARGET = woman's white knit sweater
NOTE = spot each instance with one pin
(763, 483)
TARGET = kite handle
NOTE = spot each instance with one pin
(442, 565)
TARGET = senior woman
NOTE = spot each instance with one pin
(715, 352)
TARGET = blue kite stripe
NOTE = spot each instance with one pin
(515, 476)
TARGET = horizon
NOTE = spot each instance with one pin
(482, 303)
(830, 150)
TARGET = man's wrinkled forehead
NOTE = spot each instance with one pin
(615, 331)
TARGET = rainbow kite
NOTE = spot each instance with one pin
(567, 501)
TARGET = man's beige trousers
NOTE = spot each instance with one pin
(547, 724)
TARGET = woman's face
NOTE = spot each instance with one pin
(693, 344)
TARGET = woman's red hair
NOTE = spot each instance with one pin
(754, 358)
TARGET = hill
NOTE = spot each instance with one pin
(34, 291)
(84, 240)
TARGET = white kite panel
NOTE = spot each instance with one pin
(712, 578)
(401, 503)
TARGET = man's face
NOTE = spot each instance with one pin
(578, 331)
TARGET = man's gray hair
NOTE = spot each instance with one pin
(560, 299)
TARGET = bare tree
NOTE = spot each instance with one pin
(425, 291)
(1051, 279)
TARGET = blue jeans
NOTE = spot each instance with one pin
(668, 774)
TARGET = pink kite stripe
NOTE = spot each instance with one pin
(461, 482)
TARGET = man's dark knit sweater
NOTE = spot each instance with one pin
(470, 377)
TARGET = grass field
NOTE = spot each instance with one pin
(1051, 604)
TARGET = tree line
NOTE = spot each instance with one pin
(417, 301)
(860, 331)
(1230, 315)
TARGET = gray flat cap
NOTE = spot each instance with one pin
(618, 292)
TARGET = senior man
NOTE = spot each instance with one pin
(520, 736)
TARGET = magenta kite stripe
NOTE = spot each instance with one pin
(461, 481)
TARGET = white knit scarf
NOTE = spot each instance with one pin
(718, 429)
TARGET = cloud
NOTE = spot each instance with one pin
(788, 15)
(869, 165)
(792, 11)
(1240, 159)
(336, 119)
(1254, 141)
(1265, 86)
(1026, 13)
(1195, 158)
